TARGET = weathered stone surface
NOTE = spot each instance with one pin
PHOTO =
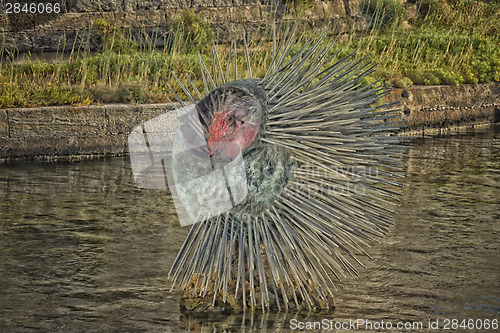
(221, 14)
(122, 118)
(21, 22)
(4, 22)
(149, 18)
(50, 32)
(449, 96)
(42, 20)
(17, 42)
(245, 13)
(223, 3)
(411, 8)
(149, 111)
(57, 121)
(117, 144)
(447, 106)
(103, 130)
(202, 3)
(73, 21)
(12, 147)
(125, 19)
(94, 5)
(4, 123)
(130, 5)
(45, 41)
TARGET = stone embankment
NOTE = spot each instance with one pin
(73, 27)
(70, 132)
(443, 107)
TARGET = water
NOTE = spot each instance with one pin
(83, 250)
(50, 57)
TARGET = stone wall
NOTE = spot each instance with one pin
(73, 28)
(441, 107)
(66, 131)
(79, 132)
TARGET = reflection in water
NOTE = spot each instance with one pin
(81, 249)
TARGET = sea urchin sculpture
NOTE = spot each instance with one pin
(320, 168)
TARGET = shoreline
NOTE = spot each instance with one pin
(71, 133)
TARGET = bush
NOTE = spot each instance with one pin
(401, 82)
(424, 78)
(132, 92)
(114, 38)
(104, 93)
(449, 77)
(190, 33)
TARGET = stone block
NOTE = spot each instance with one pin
(17, 42)
(411, 8)
(37, 146)
(117, 144)
(4, 124)
(48, 41)
(149, 111)
(21, 22)
(169, 4)
(83, 145)
(4, 22)
(172, 15)
(57, 122)
(202, 3)
(72, 21)
(317, 10)
(222, 32)
(94, 5)
(223, 3)
(40, 146)
(122, 118)
(246, 13)
(125, 19)
(335, 7)
(12, 147)
(216, 15)
(149, 18)
(131, 5)
(43, 20)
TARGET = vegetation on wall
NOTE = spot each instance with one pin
(448, 42)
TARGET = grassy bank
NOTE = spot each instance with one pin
(447, 42)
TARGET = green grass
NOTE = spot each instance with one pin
(450, 42)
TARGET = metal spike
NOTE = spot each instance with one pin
(246, 55)
(318, 112)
